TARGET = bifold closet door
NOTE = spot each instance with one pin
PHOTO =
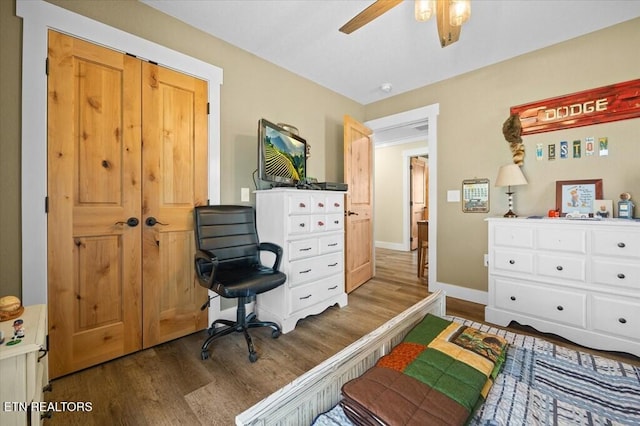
(111, 276)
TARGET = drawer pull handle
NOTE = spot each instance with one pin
(333, 288)
(305, 249)
(320, 223)
(559, 268)
(336, 222)
(332, 244)
(621, 245)
(306, 271)
(333, 264)
(512, 262)
(320, 204)
(336, 204)
(302, 205)
(301, 225)
(513, 298)
(305, 297)
(560, 308)
(622, 320)
(621, 276)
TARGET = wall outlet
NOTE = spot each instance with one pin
(486, 260)
(244, 195)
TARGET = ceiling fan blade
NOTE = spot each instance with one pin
(368, 15)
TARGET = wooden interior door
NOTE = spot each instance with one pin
(174, 123)
(94, 188)
(116, 283)
(418, 196)
(358, 173)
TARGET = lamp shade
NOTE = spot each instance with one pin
(510, 175)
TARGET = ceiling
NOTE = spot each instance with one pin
(302, 36)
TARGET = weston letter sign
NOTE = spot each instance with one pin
(610, 103)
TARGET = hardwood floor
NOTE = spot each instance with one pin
(169, 384)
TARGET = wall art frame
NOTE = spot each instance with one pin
(577, 197)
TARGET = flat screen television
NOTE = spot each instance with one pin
(282, 157)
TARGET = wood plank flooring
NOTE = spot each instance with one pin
(169, 384)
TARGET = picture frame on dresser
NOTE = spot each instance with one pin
(577, 196)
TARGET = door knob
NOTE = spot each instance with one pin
(350, 213)
(132, 221)
(152, 221)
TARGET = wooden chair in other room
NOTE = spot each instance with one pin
(423, 247)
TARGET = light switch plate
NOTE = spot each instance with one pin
(453, 195)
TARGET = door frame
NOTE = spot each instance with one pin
(430, 112)
(38, 18)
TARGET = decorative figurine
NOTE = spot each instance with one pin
(625, 206)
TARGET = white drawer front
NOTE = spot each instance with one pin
(331, 243)
(616, 243)
(311, 294)
(554, 305)
(335, 222)
(306, 270)
(300, 204)
(558, 239)
(319, 203)
(621, 317)
(570, 268)
(508, 261)
(624, 274)
(513, 236)
(335, 203)
(318, 223)
(303, 248)
(299, 224)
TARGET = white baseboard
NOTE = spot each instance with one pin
(391, 246)
(468, 294)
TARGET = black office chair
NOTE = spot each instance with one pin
(228, 262)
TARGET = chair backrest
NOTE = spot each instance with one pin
(229, 232)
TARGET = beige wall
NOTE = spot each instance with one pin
(389, 192)
(472, 110)
(470, 141)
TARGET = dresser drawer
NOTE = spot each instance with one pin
(565, 307)
(299, 225)
(300, 204)
(335, 203)
(310, 294)
(505, 261)
(618, 273)
(569, 268)
(303, 248)
(306, 270)
(331, 243)
(513, 236)
(616, 316)
(561, 239)
(616, 243)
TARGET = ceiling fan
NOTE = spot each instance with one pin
(450, 14)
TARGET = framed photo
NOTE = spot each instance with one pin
(475, 195)
(578, 196)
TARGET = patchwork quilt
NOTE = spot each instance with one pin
(438, 374)
(542, 383)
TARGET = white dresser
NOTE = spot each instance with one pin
(309, 226)
(579, 279)
(24, 369)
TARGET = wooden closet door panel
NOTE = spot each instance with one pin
(94, 257)
(174, 182)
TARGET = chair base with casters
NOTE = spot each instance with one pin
(228, 262)
(242, 324)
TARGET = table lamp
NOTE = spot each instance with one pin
(510, 175)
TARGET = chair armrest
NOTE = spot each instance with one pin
(275, 249)
(203, 261)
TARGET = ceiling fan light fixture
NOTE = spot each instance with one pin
(424, 9)
(459, 12)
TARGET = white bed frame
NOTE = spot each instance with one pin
(316, 391)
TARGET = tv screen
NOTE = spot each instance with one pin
(281, 155)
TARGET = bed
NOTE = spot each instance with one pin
(539, 382)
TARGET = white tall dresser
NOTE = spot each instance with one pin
(309, 226)
(579, 279)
